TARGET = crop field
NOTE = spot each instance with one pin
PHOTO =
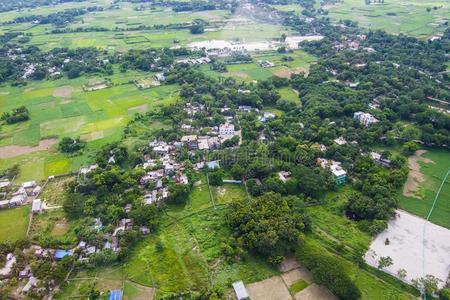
(409, 17)
(433, 170)
(252, 71)
(61, 108)
(13, 223)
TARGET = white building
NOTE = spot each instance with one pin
(334, 167)
(340, 141)
(36, 206)
(240, 291)
(226, 129)
(365, 118)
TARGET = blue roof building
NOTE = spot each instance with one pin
(115, 295)
(59, 254)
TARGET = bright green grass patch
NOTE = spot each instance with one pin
(13, 223)
(229, 193)
(330, 224)
(434, 173)
(298, 286)
(287, 93)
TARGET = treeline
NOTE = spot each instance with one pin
(7, 5)
(60, 18)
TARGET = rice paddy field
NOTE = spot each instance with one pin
(409, 17)
(62, 108)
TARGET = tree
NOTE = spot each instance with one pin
(402, 273)
(267, 224)
(409, 148)
(385, 262)
(216, 177)
(427, 284)
(69, 145)
(178, 193)
(197, 28)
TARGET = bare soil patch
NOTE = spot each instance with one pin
(140, 108)
(14, 150)
(415, 177)
(315, 292)
(295, 275)
(239, 74)
(221, 191)
(270, 289)
(145, 293)
(287, 73)
(289, 263)
(92, 136)
(63, 92)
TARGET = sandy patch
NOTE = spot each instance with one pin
(92, 136)
(289, 263)
(408, 248)
(287, 73)
(14, 150)
(221, 191)
(63, 92)
(145, 293)
(239, 74)
(415, 177)
(270, 289)
(295, 275)
(315, 292)
(140, 108)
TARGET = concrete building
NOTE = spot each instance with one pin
(335, 168)
(365, 119)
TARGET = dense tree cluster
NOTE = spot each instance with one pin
(17, 115)
(270, 225)
(69, 145)
(6, 5)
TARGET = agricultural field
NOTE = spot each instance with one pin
(409, 17)
(252, 71)
(13, 223)
(427, 171)
(62, 108)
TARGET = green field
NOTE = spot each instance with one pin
(98, 117)
(13, 223)
(409, 17)
(434, 173)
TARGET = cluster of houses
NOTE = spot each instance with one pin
(20, 196)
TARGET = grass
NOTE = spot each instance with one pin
(433, 174)
(287, 93)
(13, 223)
(298, 286)
(408, 17)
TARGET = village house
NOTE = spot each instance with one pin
(377, 157)
(87, 170)
(246, 108)
(284, 175)
(226, 129)
(36, 207)
(266, 116)
(340, 141)
(240, 291)
(265, 64)
(7, 269)
(365, 119)
(335, 168)
(17, 200)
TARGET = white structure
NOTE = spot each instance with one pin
(226, 129)
(340, 141)
(334, 167)
(36, 206)
(17, 200)
(29, 184)
(240, 290)
(86, 170)
(365, 118)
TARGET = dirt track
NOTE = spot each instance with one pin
(415, 177)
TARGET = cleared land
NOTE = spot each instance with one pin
(427, 172)
(412, 247)
(13, 223)
(409, 17)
